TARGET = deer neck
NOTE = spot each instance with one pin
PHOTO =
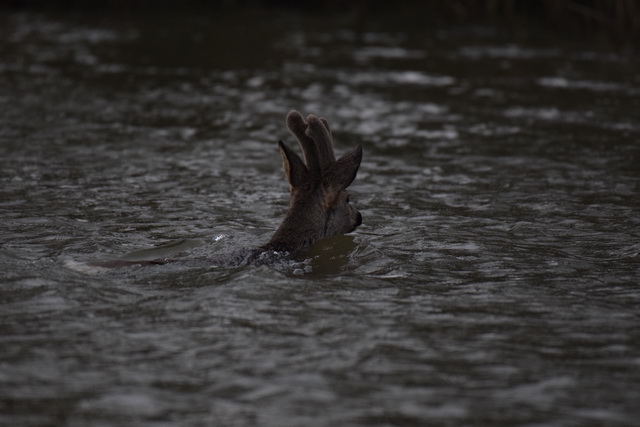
(301, 227)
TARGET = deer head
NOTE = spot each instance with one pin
(319, 205)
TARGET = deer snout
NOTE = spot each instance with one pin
(357, 220)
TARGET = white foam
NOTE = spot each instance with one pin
(83, 267)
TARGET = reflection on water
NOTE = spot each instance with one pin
(494, 280)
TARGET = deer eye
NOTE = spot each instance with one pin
(348, 198)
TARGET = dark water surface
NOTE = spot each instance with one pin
(495, 280)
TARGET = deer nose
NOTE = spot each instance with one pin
(358, 219)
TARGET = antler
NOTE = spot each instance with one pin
(315, 139)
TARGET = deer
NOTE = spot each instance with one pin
(319, 205)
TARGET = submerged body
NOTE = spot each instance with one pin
(237, 258)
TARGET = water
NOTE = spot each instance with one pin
(494, 280)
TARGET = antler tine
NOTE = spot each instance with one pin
(298, 127)
(326, 124)
(318, 130)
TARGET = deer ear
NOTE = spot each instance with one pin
(293, 166)
(342, 173)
